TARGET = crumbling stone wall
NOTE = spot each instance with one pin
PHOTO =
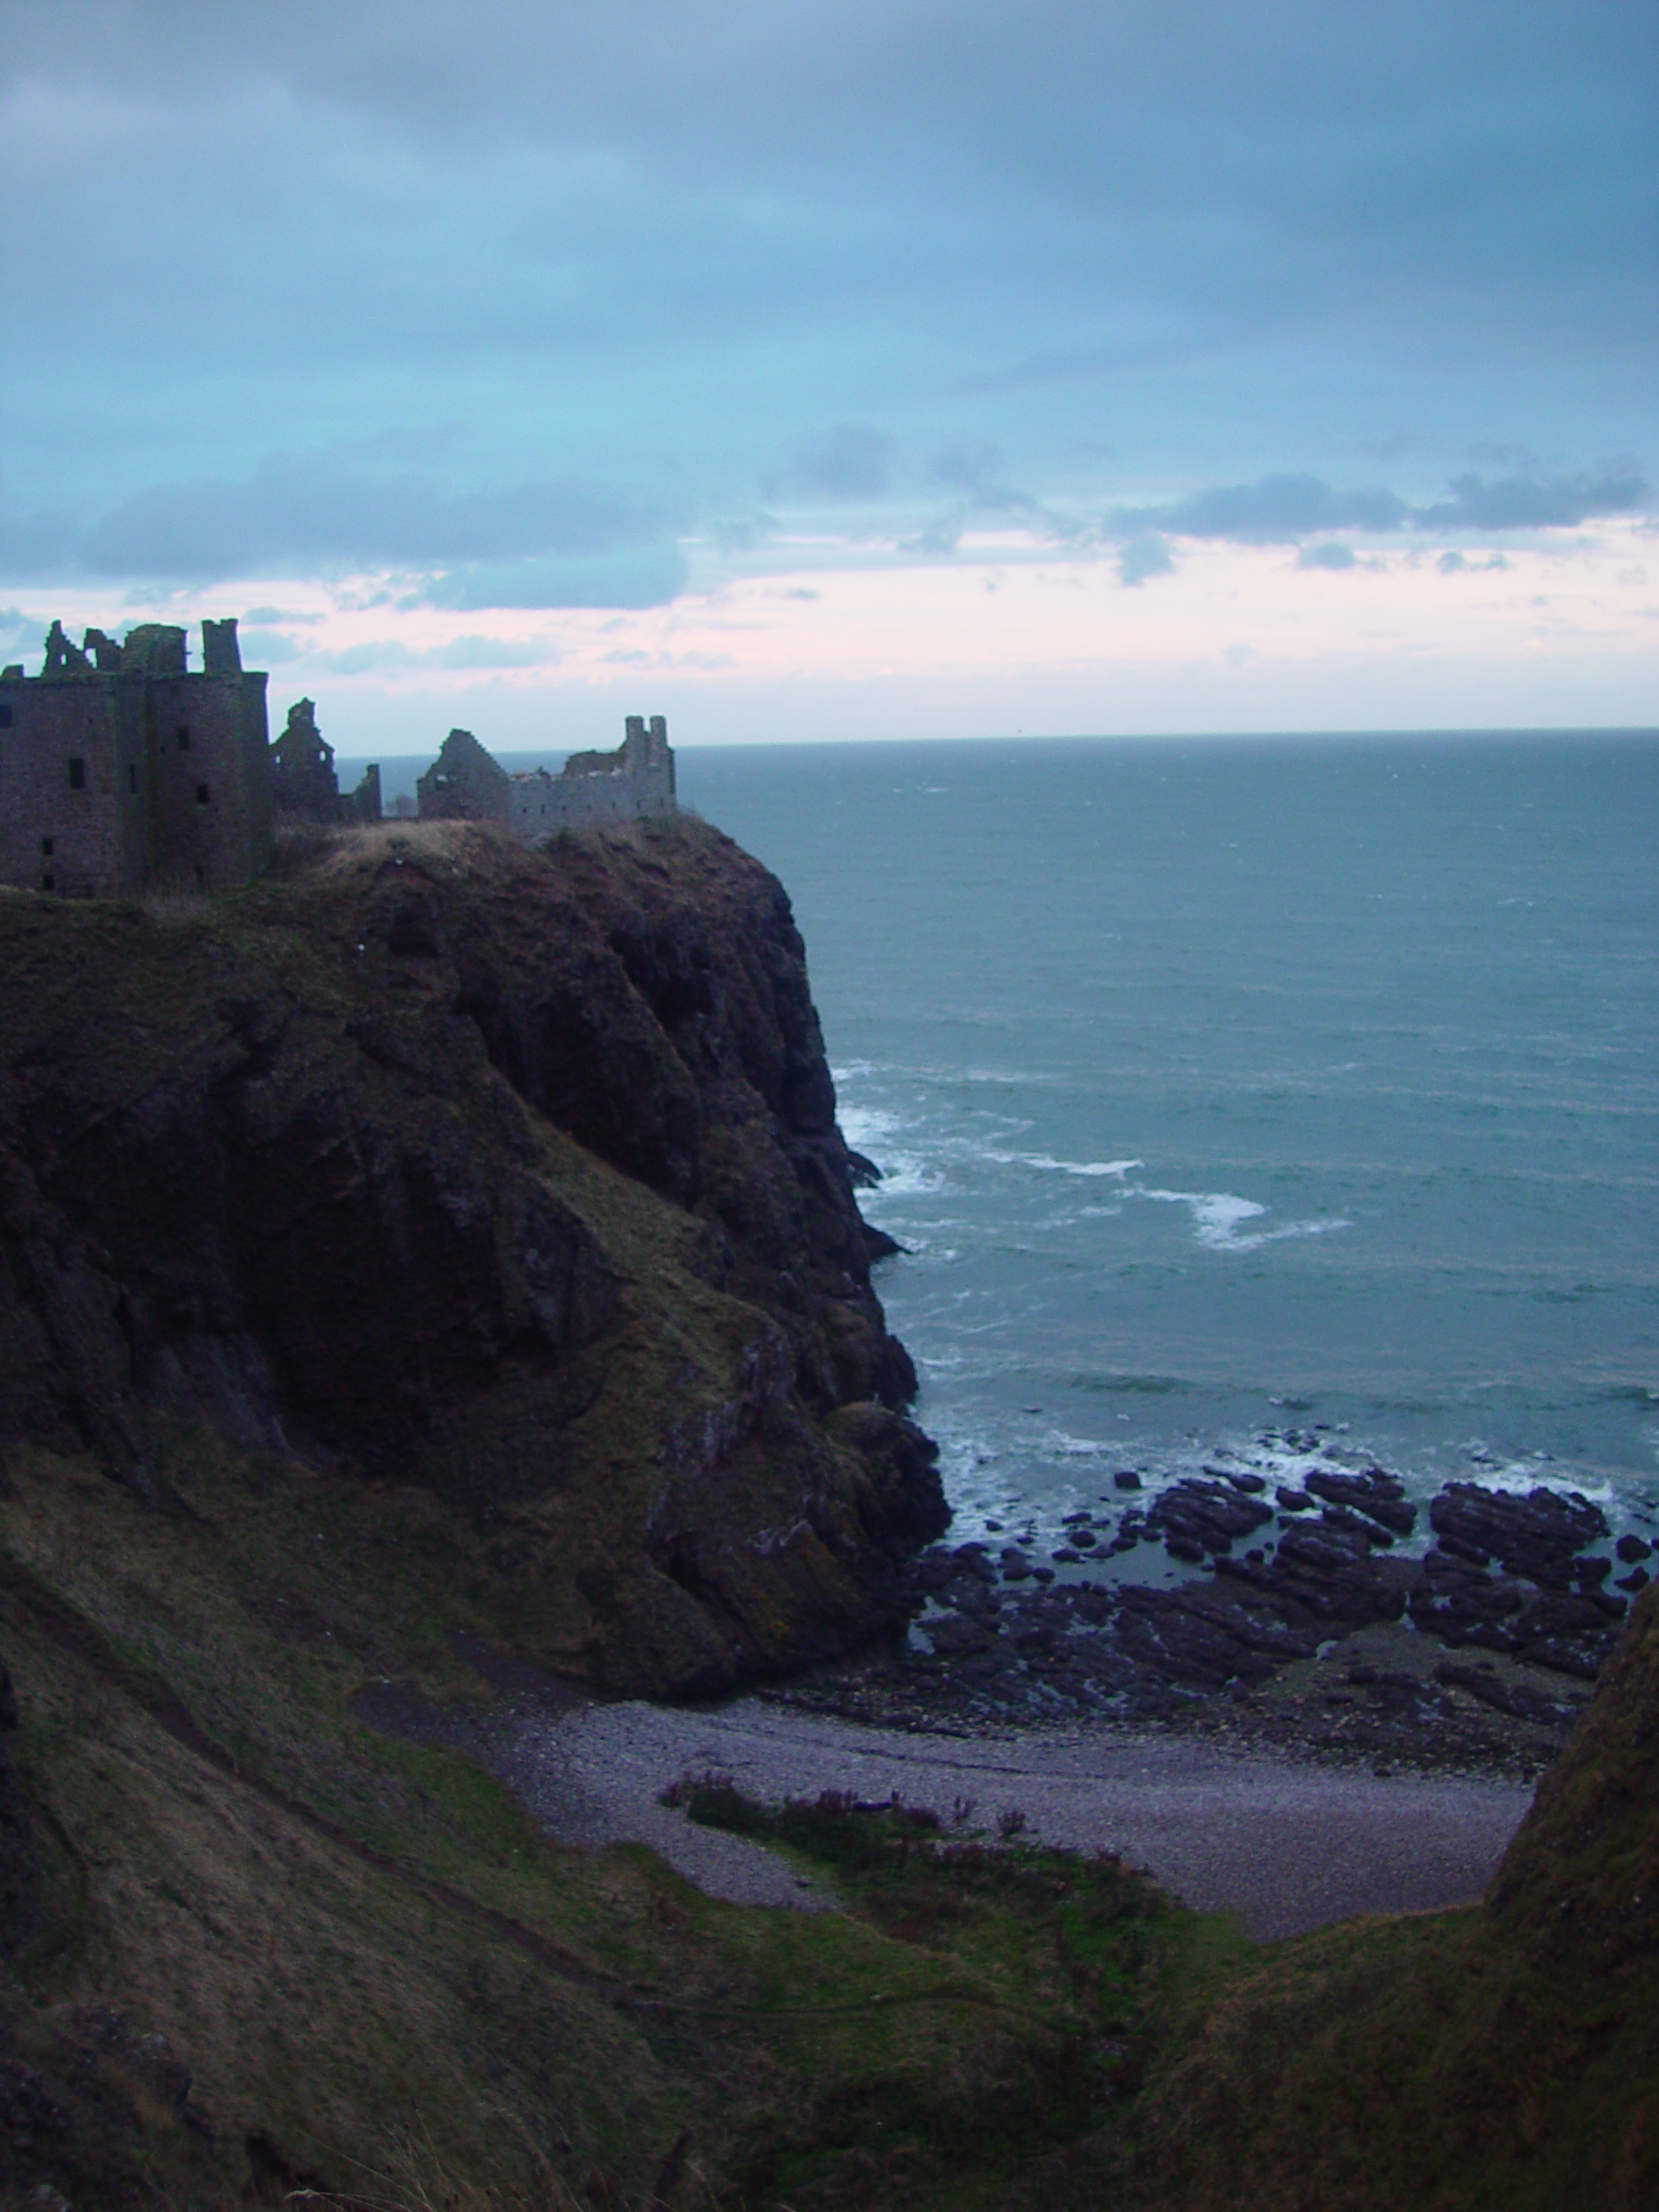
(636, 781)
(304, 787)
(464, 784)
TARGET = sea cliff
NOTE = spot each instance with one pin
(512, 1178)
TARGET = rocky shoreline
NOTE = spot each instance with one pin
(1315, 1637)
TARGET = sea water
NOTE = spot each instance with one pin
(1243, 1102)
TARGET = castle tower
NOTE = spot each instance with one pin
(121, 770)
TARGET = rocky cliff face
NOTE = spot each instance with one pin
(513, 1177)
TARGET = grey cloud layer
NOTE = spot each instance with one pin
(608, 274)
(1283, 510)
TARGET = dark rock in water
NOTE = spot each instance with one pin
(1125, 1478)
(1336, 1521)
(1066, 1557)
(1252, 1486)
(1379, 1497)
(1293, 1501)
(1204, 1636)
(1084, 1539)
(1536, 1536)
(1197, 1517)
(1016, 1568)
(1519, 1699)
(931, 1570)
(1570, 1633)
(1453, 1597)
(954, 1635)
(1635, 1580)
(1631, 1548)
(1324, 1576)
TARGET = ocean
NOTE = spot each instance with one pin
(1241, 1101)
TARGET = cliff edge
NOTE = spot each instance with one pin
(508, 1178)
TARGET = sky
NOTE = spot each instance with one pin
(861, 370)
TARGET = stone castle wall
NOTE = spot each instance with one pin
(466, 783)
(120, 770)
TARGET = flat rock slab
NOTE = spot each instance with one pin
(1288, 1847)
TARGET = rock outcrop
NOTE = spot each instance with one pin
(514, 1177)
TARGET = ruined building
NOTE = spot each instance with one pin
(303, 786)
(466, 784)
(121, 769)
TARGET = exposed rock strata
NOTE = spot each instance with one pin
(1002, 1640)
(512, 1176)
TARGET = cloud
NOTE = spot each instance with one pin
(1453, 564)
(497, 653)
(1285, 509)
(267, 648)
(560, 285)
(1144, 556)
(971, 465)
(640, 576)
(1538, 503)
(1274, 511)
(853, 460)
(941, 535)
(313, 510)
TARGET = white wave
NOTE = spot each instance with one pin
(1216, 1216)
(1118, 1167)
(863, 1126)
(1520, 1475)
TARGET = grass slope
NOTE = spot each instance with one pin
(367, 1966)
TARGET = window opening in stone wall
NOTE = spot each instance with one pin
(201, 794)
(201, 875)
(77, 775)
(46, 849)
(48, 882)
(5, 714)
(132, 777)
(184, 738)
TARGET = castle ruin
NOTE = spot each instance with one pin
(121, 770)
(303, 786)
(466, 784)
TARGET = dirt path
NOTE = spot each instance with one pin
(1289, 1847)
